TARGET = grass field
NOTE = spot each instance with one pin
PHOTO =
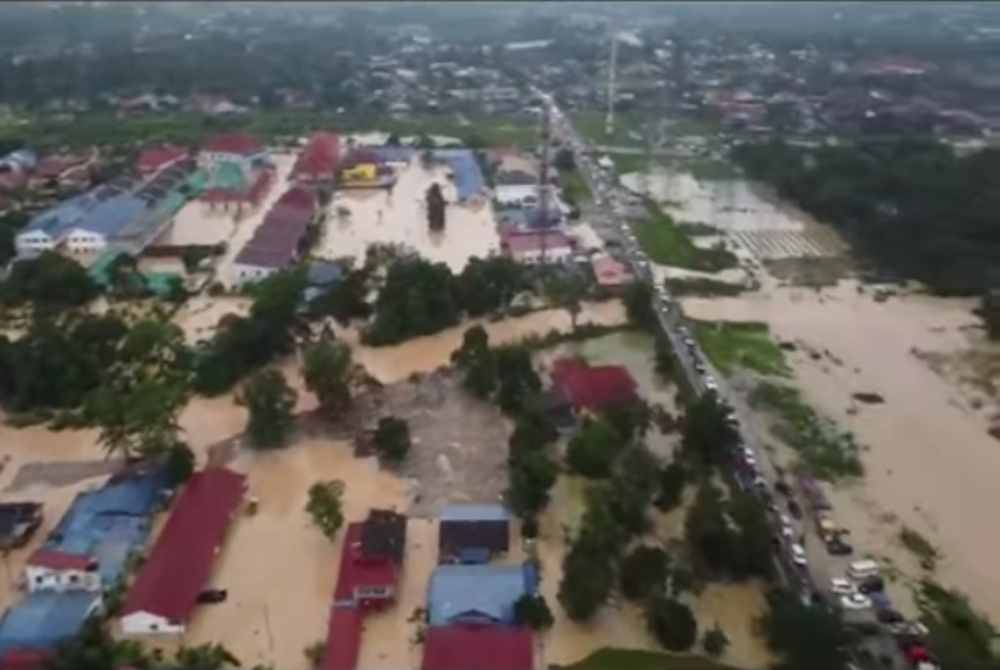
(828, 452)
(667, 244)
(747, 345)
(592, 125)
(628, 659)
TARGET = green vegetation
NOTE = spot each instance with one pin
(703, 287)
(638, 301)
(326, 369)
(574, 186)
(50, 281)
(891, 199)
(326, 507)
(959, 636)
(532, 610)
(644, 572)
(392, 439)
(805, 637)
(920, 546)
(632, 659)
(710, 169)
(665, 243)
(566, 290)
(741, 344)
(826, 451)
(591, 126)
(594, 448)
(269, 401)
(727, 539)
(707, 439)
(626, 163)
(671, 623)
(697, 229)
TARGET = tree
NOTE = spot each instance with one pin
(806, 637)
(418, 298)
(180, 463)
(586, 583)
(326, 369)
(136, 417)
(633, 484)
(205, 657)
(326, 506)
(566, 291)
(270, 401)
(664, 361)
(707, 437)
(519, 382)
(346, 299)
(532, 431)
(638, 300)
(478, 361)
(673, 479)
(531, 475)
(488, 285)
(991, 313)
(392, 438)
(644, 572)
(436, 206)
(594, 448)
(531, 610)
(708, 533)
(714, 641)
(631, 419)
(564, 161)
(751, 554)
(49, 281)
(671, 623)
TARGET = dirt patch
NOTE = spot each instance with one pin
(61, 473)
(810, 272)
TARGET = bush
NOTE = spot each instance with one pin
(671, 623)
(714, 642)
(592, 451)
(325, 506)
(269, 400)
(392, 439)
(531, 610)
(644, 572)
(673, 480)
(586, 583)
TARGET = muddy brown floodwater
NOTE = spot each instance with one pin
(929, 461)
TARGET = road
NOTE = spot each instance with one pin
(752, 469)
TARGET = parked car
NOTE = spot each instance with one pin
(211, 596)
(889, 616)
(838, 547)
(855, 601)
(783, 488)
(799, 555)
(871, 585)
(794, 509)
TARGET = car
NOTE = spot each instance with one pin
(794, 509)
(787, 531)
(889, 616)
(710, 384)
(785, 521)
(841, 586)
(699, 367)
(838, 547)
(855, 601)
(871, 585)
(799, 555)
(211, 596)
(880, 600)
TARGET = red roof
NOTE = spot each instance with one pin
(60, 560)
(343, 639)
(357, 571)
(234, 143)
(275, 242)
(477, 648)
(523, 242)
(153, 159)
(181, 561)
(594, 388)
(319, 158)
(25, 659)
(610, 272)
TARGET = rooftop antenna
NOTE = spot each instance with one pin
(609, 124)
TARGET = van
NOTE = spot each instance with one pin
(862, 569)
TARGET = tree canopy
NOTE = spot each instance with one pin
(392, 438)
(594, 448)
(326, 369)
(326, 507)
(418, 298)
(671, 623)
(49, 280)
(806, 637)
(638, 300)
(270, 401)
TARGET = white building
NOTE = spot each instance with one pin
(52, 570)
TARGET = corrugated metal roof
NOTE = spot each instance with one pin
(478, 647)
(477, 592)
(468, 177)
(343, 639)
(43, 620)
(474, 512)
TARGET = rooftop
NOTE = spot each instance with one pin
(234, 143)
(43, 620)
(477, 593)
(474, 512)
(358, 571)
(319, 157)
(343, 639)
(593, 388)
(463, 647)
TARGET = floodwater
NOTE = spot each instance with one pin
(424, 354)
(279, 569)
(357, 218)
(929, 461)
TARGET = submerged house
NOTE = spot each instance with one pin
(167, 588)
(478, 594)
(472, 533)
(462, 647)
(593, 388)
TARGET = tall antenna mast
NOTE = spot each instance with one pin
(543, 178)
(609, 125)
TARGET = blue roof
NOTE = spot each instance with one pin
(468, 177)
(105, 210)
(393, 154)
(475, 512)
(478, 593)
(111, 522)
(44, 619)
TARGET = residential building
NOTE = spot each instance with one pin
(478, 594)
(167, 588)
(240, 149)
(343, 638)
(612, 275)
(317, 163)
(537, 246)
(472, 533)
(465, 647)
(593, 388)
(277, 242)
(18, 522)
(32, 629)
(87, 549)
(160, 157)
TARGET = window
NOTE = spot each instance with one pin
(73, 579)
(39, 580)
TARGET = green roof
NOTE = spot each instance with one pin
(228, 176)
(99, 270)
(159, 282)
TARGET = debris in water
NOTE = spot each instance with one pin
(867, 397)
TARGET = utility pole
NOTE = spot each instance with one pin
(609, 124)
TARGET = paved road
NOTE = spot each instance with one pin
(763, 475)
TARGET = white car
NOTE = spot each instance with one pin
(855, 601)
(787, 531)
(799, 555)
(711, 385)
(785, 520)
(841, 586)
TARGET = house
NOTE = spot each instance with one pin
(469, 182)
(471, 531)
(593, 388)
(538, 246)
(156, 158)
(40, 623)
(165, 592)
(465, 647)
(88, 548)
(18, 522)
(317, 163)
(611, 274)
(343, 639)
(240, 149)
(483, 594)
(371, 560)
(277, 242)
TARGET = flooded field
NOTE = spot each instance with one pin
(360, 217)
(930, 463)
